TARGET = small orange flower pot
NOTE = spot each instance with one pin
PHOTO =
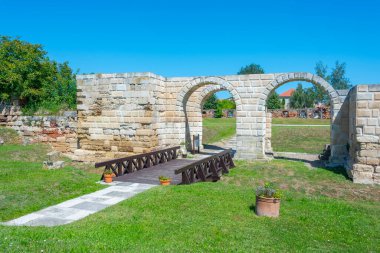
(165, 182)
(107, 178)
(269, 207)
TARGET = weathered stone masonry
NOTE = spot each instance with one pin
(58, 131)
(123, 114)
(137, 112)
(363, 163)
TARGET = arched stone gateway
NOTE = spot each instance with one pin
(120, 114)
(191, 99)
(338, 139)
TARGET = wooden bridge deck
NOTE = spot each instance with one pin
(150, 175)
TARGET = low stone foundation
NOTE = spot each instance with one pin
(59, 131)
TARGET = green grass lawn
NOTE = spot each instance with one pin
(321, 211)
(26, 187)
(215, 130)
(284, 139)
(9, 136)
(300, 139)
(299, 121)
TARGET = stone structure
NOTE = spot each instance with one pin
(363, 163)
(137, 112)
(59, 131)
(124, 114)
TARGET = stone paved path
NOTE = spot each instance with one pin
(78, 208)
(222, 145)
(284, 125)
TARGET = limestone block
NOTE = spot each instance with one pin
(362, 177)
(362, 104)
(374, 105)
(361, 121)
(369, 153)
(362, 88)
(374, 88)
(376, 178)
(61, 139)
(362, 168)
(368, 138)
(373, 161)
(364, 113)
(369, 130)
(365, 96)
(360, 159)
(372, 122)
(373, 147)
(53, 165)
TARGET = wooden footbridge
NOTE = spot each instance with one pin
(147, 167)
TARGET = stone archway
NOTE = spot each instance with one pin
(338, 143)
(137, 112)
(191, 107)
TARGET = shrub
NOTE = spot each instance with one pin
(268, 191)
(107, 171)
(163, 178)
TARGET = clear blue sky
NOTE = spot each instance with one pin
(187, 38)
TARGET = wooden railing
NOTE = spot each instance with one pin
(210, 168)
(134, 163)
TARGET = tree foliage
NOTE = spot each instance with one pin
(302, 98)
(274, 101)
(211, 102)
(28, 75)
(337, 78)
(251, 69)
(226, 104)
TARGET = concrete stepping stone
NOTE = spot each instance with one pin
(78, 208)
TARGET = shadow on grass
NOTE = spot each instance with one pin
(338, 170)
(252, 208)
(216, 148)
(318, 164)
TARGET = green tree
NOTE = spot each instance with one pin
(22, 70)
(338, 79)
(302, 98)
(27, 74)
(211, 102)
(226, 104)
(320, 94)
(251, 69)
(274, 101)
(218, 112)
(322, 70)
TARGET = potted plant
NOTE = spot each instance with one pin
(107, 175)
(164, 180)
(268, 200)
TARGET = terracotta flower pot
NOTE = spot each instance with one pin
(269, 207)
(165, 182)
(108, 178)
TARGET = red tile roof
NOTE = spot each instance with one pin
(287, 93)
